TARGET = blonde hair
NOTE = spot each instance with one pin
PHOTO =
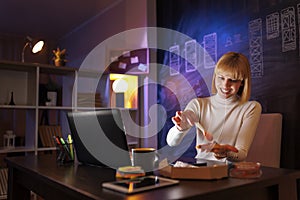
(238, 67)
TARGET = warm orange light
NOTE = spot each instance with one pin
(120, 86)
(130, 95)
(38, 46)
(130, 189)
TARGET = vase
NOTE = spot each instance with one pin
(59, 63)
(11, 103)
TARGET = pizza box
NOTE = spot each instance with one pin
(213, 170)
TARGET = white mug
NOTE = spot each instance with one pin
(147, 158)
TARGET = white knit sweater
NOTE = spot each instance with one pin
(228, 121)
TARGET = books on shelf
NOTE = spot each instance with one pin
(89, 100)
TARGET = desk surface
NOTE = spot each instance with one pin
(42, 175)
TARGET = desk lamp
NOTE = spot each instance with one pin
(120, 86)
(34, 46)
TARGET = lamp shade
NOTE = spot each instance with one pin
(119, 86)
(36, 46)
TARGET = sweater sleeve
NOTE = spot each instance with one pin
(175, 136)
(247, 132)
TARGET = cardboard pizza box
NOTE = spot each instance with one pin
(213, 170)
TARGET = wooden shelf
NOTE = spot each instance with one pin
(56, 107)
(46, 148)
(26, 80)
(44, 68)
(17, 107)
(16, 149)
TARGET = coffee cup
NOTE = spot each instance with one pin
(147, 158)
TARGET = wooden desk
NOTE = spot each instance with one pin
(43, 176)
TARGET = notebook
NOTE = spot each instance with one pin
(99, 138)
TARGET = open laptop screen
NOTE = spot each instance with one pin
(99, 138)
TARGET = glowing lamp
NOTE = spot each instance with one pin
(35, 46)
(120, 86)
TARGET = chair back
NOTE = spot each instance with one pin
(266, 145)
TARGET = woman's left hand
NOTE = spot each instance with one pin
(219, 150)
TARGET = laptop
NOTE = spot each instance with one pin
(99, 138)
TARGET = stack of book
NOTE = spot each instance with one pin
(89, 100)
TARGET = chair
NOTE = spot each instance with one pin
(3, 183)
(46, 133)
(266, 144)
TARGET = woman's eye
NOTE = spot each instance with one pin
(235, 81)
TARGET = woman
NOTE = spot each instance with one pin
(228, 118)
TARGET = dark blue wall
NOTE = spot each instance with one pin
(249, 27)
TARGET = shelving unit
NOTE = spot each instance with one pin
(23, 118)
(25, 80)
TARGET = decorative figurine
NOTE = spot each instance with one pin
(59, 57)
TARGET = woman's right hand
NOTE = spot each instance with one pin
(184, 119)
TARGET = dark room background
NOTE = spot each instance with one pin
(266, 31)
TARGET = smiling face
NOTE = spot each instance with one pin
(227, 86)
(232, 76)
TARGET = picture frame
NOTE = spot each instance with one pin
(174, 60)
(190, 55)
